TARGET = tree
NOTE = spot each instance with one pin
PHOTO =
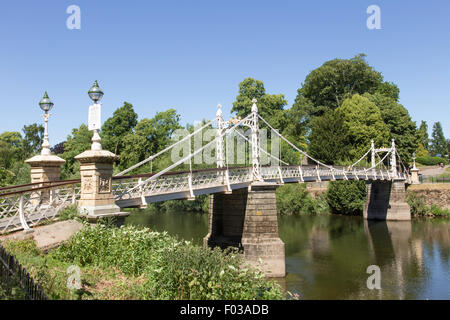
(422, 135)
(438, 142)
(150, 136)
(329, 85)
(328, 142)
(32, 140)
(114, 129)
(78, 142)
(270, 106)
(399, 123)
(362, 123)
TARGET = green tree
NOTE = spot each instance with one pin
(328, 141)
(150, 136)
(422, 135)
(346, 197)
(115, 128)
(336, 80)
(362, 123)
(399, 123)
(438, 142)
(78, 142)
(270, 106)
(32, 140)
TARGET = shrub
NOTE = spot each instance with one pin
(294, 199)
(430, 161)
(68, 213)
(420, 209)
(346, 197)
(170, 269)
(192, 272)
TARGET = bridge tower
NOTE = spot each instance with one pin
(247, 218)
(386, 200)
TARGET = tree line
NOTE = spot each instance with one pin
(339, 108)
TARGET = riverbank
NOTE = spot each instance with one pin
(137, 263)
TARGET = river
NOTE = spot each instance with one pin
(327, 256)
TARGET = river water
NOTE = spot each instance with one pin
(327, 256)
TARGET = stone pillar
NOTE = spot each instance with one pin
(415, 176)
(247, 219)
(45, 168)
(386, 200)
(97, 199)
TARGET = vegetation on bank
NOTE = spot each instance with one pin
(420, 209)
(133, 263)
(294, 199)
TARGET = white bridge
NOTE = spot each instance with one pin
(26, 205)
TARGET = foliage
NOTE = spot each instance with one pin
(169, 269)
(362, 122)
(270, 106)
(192, 272)
(328, 141)
(68, 213)
(346, 197)
(78, 142)
(295, 199)
(422, 151)
(150, 136)
(430, 161)
(399, 123)
(420, 209)
(438, 142)
(422, 135)
(199, 204)
(114, 129)
(336, 80)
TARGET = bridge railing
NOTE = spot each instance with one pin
(26, 207)
(124, 187)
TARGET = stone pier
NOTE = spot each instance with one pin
(44, 170)
(386, 200)
(97, 199)
(247, 219)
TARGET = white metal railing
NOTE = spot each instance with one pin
(25, 208)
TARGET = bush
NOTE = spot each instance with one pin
(168, 269)
(294, 199)
(68, 213)
(420, 209)
(192, 272)
(346, 197)
(430, 161)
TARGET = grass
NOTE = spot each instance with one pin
(132, 263)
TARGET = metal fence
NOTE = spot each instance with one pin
(12, 274)
(429, 179)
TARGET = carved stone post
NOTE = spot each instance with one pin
(97, 199)
(45, 168)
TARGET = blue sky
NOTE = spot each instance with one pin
(191, 55)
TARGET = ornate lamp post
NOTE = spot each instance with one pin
(414, 171)
(96, 94)
(96, 169)
(45, 167)
(46, 105)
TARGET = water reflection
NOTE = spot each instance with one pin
(327, 256)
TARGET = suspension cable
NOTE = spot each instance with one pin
(265, 152)
(166, 149)
(192, 154)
